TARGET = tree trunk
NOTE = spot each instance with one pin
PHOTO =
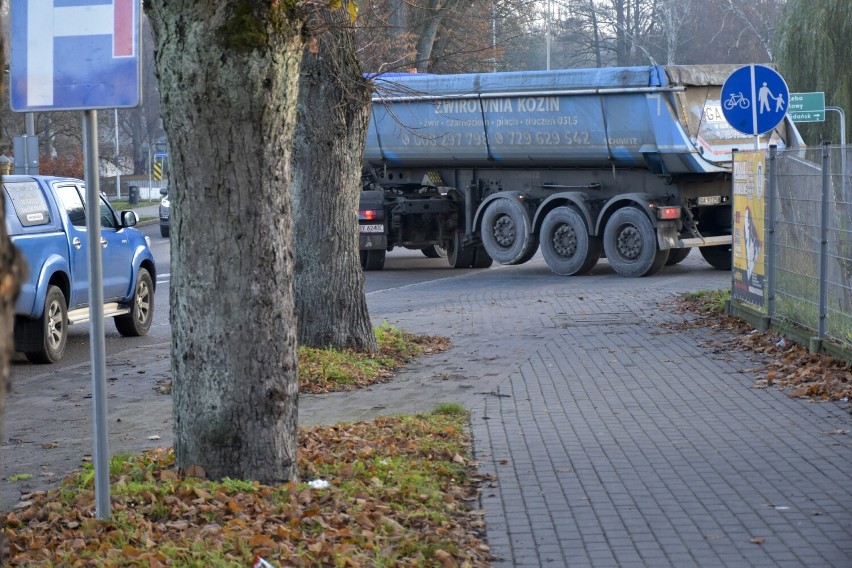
(333, 115)
(12, 271)
(228, 78)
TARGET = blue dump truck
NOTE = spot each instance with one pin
(630, 163)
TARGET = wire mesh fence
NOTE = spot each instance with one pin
(809, 240)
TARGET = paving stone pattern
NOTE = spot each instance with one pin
(613, 439)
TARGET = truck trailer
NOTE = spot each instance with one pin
(630, 163)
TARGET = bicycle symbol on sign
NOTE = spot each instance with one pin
(737, 99)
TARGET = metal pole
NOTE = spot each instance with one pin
(29, 161)
(843, 180)
(150, 165)
(770, 231)
(100, 457)
(493, 37)
(823, 240)
(117, 153)
(547, 33)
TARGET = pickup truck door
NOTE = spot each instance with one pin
(78, 259)
(116, 255)
(115, 248)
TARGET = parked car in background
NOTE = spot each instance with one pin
(165, 212)
(46, 220)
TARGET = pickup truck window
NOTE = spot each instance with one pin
(71, 201)
(108, 220)
(29, 203)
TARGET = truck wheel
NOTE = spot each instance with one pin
(677, 255)
(434, 251)
(459, 256)
(566, 245)
(138, 321)
(630, 244)
(373, 259)
(481, 258)
(43, 339)
(164, 231)
(506, 231)
(719, 257)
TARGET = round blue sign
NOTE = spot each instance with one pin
(754, 99)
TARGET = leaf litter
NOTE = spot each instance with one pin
(400, 492)
(784, 364)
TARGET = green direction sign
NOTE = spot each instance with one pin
(807, 107)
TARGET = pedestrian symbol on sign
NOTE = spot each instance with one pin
(754, 99)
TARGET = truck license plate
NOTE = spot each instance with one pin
(710, 200)
(372, 228)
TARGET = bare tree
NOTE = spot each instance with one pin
(333, 114)
(228, 78)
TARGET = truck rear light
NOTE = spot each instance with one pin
(668, 212)
(369, 215)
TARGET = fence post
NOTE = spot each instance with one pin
(770, 232)
(816, 343)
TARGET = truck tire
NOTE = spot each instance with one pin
(506, 231)
(373, 259)
(43, 340)
(631, 245)
(677, 255)
(565, 243)
(138, 321)
(481, 258)
(164, 231)
(719, 257)
(434, 251)
(459, 256)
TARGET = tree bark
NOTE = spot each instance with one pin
(12, 271)
(333, 113)
(228, 78)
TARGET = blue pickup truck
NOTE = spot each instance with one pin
(46, 219)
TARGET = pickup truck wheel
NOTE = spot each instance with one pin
(677, 255)
(566, 245)
(719, 257)
(138, 321)
(631, 245)
(164, 231)
(44, 338)
(373, 259)
(506, 231)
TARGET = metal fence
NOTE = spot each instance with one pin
(808, 236)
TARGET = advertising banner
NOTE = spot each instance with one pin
(749, 273)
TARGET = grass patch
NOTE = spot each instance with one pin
(331, 370)
(708, 301)
(19, 477)
(398, 495)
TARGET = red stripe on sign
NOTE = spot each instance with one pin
(122, 39)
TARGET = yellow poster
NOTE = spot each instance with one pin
(749, 274)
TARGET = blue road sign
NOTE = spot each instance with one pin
(74, 54)
(754, 99)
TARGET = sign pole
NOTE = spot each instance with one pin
(842, 115)
(100, 456)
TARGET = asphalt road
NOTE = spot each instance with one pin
(402, 268)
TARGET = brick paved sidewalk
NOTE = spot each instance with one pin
(613, 439)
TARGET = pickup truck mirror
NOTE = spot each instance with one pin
(128, 218)
(164, 191)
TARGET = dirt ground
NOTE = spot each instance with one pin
(48, 428)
